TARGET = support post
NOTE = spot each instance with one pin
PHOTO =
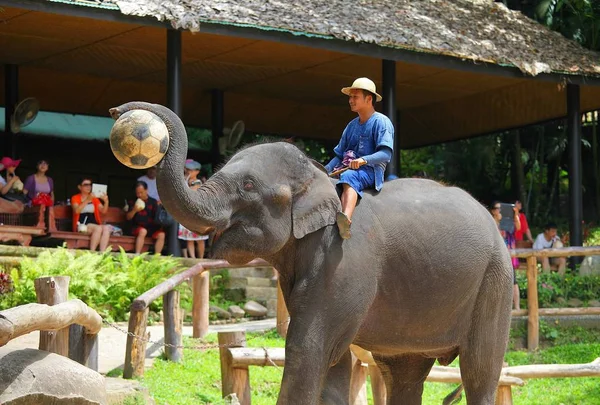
(533, 322)
(52, 291)
(217, 124)
(575, 176)
(377, 386)
(282, 313)
(83, 348)
(233, 380)
(173, 324)
(358, 382)
(135, 351)
(504, 395)
(174, 103)
(389, 109)
(11, 98)
(200, 304)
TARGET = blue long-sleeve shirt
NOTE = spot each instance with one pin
(373, 141)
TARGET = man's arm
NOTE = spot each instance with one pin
(332, 163)
(134, 210)
(383, 155)
(339, 151)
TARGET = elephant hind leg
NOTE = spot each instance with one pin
(404, 376)
(482, 353)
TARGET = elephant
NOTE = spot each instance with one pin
(426, 274)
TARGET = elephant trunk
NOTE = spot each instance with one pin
(196, 210)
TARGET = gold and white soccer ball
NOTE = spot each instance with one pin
(139, 139)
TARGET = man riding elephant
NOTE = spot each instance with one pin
(365, 148)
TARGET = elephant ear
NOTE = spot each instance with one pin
(315, 205)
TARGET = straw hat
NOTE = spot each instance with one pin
(362, 83)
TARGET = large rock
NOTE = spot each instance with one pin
(236, 311)
(30, 376)
(221, 313)
(253, 308)
(590, 266)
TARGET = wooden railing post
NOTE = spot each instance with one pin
(358, 382)
(83, 348)
(377, 386)
(504, 395)
(282, 313)
(135, 352)
(173, 324)
(52, 291)
(200, 305)
(533, 323)
(233, 380)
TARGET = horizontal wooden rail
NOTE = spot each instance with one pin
(560, 311)
(243, 357)
(142, 302)
(558, 252)
(554, 370)
(23, 319)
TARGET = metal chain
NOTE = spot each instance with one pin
(197, 347)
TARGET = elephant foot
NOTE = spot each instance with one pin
(343, 223)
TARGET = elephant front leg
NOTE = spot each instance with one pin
(309, 378)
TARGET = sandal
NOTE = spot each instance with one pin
(343, 224)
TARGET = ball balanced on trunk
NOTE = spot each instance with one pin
(139, 139)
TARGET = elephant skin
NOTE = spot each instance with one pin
(425, 275)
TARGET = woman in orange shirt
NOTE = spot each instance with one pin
(87, 209)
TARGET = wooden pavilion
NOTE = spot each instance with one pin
(447, 69)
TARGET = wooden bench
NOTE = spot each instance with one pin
(61, 226)
(22, 227)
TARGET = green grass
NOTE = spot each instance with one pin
(197, 380)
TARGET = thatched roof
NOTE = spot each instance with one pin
(475, 30)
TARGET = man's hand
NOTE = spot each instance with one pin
(356, 163)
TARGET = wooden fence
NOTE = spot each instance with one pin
(69, 328)
(137, 338)
(533, 311)
(236, 360)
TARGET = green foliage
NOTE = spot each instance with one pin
(593, 237)
(105, 282)
(553, 289)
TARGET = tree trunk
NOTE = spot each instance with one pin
(517, 173)
(596, 164)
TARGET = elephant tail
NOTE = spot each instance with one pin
(454, 397)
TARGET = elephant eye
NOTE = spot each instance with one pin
(248, 186)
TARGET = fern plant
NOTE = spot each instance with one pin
(108, 283)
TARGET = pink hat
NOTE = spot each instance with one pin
(9, 162)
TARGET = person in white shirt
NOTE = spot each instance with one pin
(150, 179)
(548, 240)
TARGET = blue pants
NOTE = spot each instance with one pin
(359, 180)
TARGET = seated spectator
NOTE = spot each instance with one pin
(39, 187)
(547, 240)
(510, 244)
(150, 179)
(141, 213)
(12, 189)
(87, 210)
(192, 239)
(9, 207)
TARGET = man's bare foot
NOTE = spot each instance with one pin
(343, 224)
